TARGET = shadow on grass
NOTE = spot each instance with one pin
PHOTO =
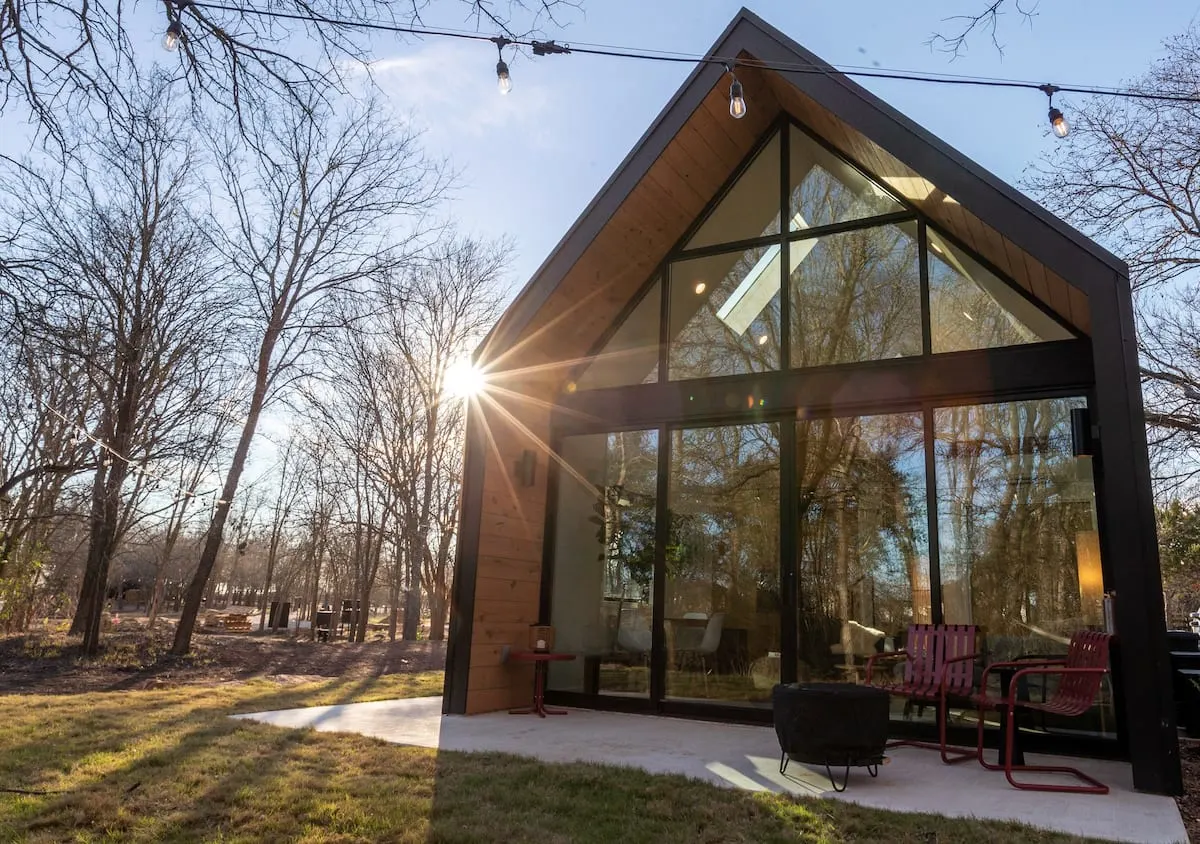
(104, 743)
(171, 765)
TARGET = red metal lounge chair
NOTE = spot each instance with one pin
(937, 665)
(1080, 675)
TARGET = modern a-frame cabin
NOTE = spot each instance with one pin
(791, 383)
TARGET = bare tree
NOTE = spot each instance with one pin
(287, 496)
(1129, 177)
(119, 279)
(59, 57)
(985, 18)
(208, 433)
(445, 306)
(321, 208)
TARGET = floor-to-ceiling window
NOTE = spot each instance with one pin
(861, 540)
(722, 605)
(604, 562)
(1017, 532)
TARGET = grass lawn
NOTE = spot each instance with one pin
(168, 765)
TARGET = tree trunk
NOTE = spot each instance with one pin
(439, 608)
(262, 613)
(87, 590)
(394, 602)
(100, 551)
(316, 597)
(216, 530)
(174, 528)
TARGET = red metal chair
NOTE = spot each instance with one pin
(1080, 676)
(937, 665)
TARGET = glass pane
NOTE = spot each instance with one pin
(724, 313)
(604, 562)
(856, 296)
(825, 189)
(862, 540)
(631, 354)
(750, 208)
(722, 591)
(1019, 547)
(971, 308)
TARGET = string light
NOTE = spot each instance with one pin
(1058, 122)
(503, 79)
(172, 36)
(737, 101)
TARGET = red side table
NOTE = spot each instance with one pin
(541, 661)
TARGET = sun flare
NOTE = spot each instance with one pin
(464, 380)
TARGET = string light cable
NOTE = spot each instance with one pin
(737, 106)
(79, 432)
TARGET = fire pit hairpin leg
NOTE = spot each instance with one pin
(872, 769)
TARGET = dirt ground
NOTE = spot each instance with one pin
(1189, 803)
(132, 657)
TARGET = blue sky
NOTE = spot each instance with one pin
(532, 161)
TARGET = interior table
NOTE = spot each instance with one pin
(541, 661)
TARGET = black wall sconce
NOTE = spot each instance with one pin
(525, 466)
(1083, 440)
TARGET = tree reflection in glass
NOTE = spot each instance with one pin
(1018, 543)
(722, 587)
(861, 539)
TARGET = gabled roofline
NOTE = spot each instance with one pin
(1049, 240)
(760, 28)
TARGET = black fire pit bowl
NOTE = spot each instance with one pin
(831, 724)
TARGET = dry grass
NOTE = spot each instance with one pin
(169, 765)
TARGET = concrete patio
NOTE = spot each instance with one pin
(747, 757)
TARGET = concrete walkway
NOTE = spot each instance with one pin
(739, 756)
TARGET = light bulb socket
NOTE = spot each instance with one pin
(503, 80)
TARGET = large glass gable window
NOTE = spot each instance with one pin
(631, 355)
(825, 189)
(856, 296)
(861, 278)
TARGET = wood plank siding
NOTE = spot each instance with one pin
(510, 544)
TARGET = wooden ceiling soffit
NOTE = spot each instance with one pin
(676, 189)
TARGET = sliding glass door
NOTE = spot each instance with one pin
(722, 607)
(603, 555)
(751, 553)
(861, 540)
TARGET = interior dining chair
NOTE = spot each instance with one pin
(708, 644)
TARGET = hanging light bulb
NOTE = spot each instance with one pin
(1059, 123)
(172, 36)
(737, 102)
(503, 80)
